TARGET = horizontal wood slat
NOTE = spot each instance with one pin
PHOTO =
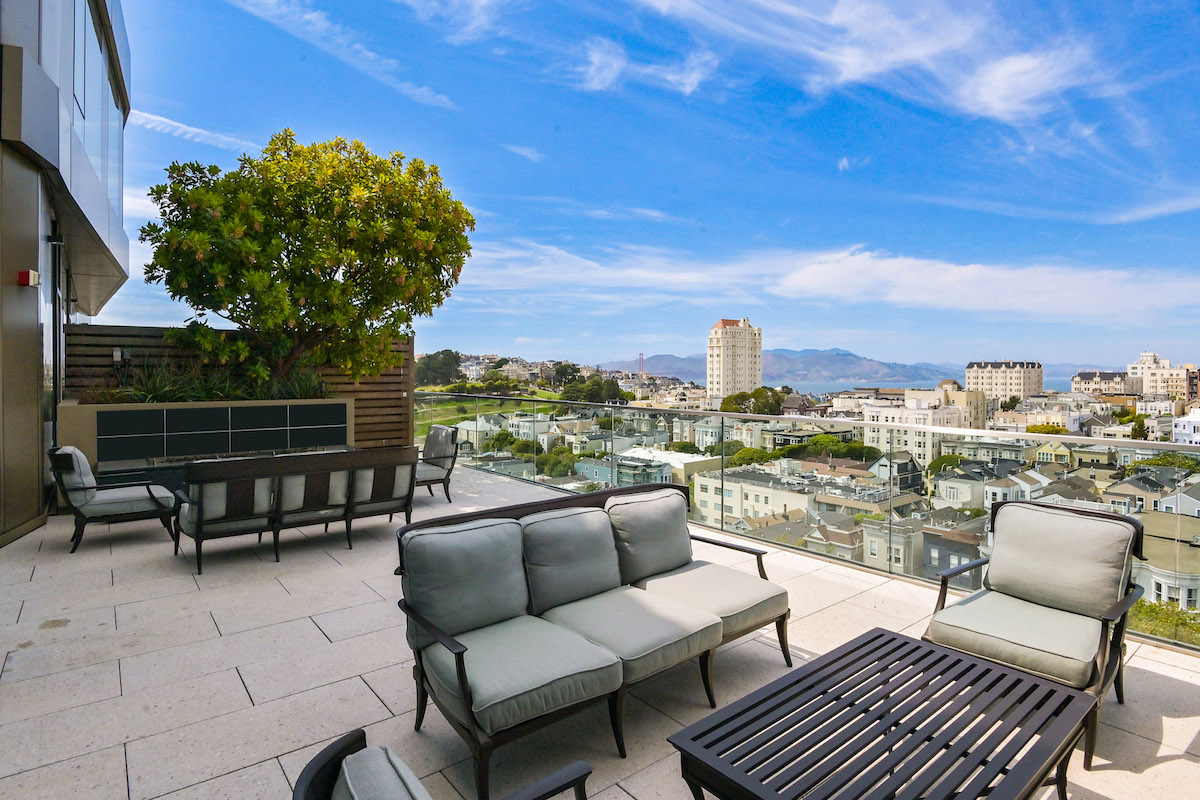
(383, 405)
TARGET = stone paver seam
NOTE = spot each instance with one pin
(128, 786)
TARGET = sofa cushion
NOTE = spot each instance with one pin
(520, 669)
(463, 577)
(364, 483)
(742, 601)
(215, 495)
(376, 773)
(128, 500)
(219, 527)
(1045, 641)
(569, 554)
(79, 483)
(1059, 558)
(292, 487)
(648, 632)
(430, 472)
(651, 531)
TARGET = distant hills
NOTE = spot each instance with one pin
(783, 366)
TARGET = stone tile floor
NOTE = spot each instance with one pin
(127, 676)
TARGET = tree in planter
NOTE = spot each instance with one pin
(317, 254)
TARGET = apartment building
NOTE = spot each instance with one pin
(1095, 382)
(951, 393)
(734, 358)
(63, 250)
(1003, 379)
(1186, 430)
(1158, 376)
(923, 445)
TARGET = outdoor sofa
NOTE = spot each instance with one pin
(240, 496)
(519, 616)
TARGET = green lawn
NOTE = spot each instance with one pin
(447, 411)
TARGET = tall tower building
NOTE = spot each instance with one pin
(734, 358)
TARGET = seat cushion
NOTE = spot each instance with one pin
(1044, 641)
(428, 472)
(569, 555)
(520, 669)
(1061, 558)
(376, 773)
(312, 517)
(463, 577)
(128, 500)
(651, 532)
(219, 527)
(742, 601)
(648, 632)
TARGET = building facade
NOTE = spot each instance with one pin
(1158, 376)
(1004, 379)
(64, 99)
(734, 358)
(1105, 383)
(923, 445)
(1186, 430)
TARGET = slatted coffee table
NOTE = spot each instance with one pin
(887, 716)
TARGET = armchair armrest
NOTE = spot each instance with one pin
(741, 548)
(123, 485)
(946, 574)
(447, 641)
(181, 497)
(571, 776)
(1122, 606)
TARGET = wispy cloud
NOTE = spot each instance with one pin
(468, 19)
(170, 127)
(138, 205)
(606, 60)
(847, 163)
(607, 64)
(307, 23)
(532, 153)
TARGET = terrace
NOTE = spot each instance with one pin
(127, 676)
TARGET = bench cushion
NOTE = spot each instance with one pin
(376, 773)
(651, 531)
(429, 472)
(520, 669)
(742, 601)
(648, 632)
(569, 554)
(463, 577)
(219, 527)
(127, 500)
(1044, 641)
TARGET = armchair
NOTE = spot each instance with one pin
(121, 502)
(437, 458)
(1055, 599)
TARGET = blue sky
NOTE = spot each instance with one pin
(917, 181)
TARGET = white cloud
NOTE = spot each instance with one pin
(1024, 85)
(532, 153)
(138, 205)
(686, 77)
(607, 64)
(469, 19)
(170, 127)
(300, 19)
(606, 61)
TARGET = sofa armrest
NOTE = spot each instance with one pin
(946, 574)
(319, 775)
(447, 641)
(572, 776)
(741, 548)
(1122, 606)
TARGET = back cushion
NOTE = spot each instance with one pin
(651, 532)
(79, 482)
(463, 577)
(292, 490)
(1060, 558)
(214, 496)
(569, 555)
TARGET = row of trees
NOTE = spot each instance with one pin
(823, 446)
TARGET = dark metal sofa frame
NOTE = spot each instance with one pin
(1109, 670)
(481, 743)
(239, 476)
(317, 780)
(61, 463)
(445, 482)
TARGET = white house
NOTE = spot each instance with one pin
(1186, 430)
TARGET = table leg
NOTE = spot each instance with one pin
(697, 792)
(1060, 775)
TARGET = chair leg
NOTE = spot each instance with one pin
(1119, 682)
(482, 756)
(616, 707)
(78, 535)
(175, 535)
(389, 517)
(349, 544)
(327, 527)
(408, 516)
(706, 676)
(1091, 728)
(446, 489)
(275, 541)
(199, 545)
(165, 519)
(781, 634)
(429, 486)
(422, 699)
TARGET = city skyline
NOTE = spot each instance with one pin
(935, 185)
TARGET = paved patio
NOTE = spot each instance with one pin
(126, 676)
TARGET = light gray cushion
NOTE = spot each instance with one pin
(80, 483)
(648, 632)
(440, 443)
(218, 527)
(520, 669)
(742, 601)
(213, 497)
(569, 554)
(1045, 641)
(127, 500)
(652, 532)
(291, 490)
(463, 577)
(376, 773)
(364, 481)
(1058, 558)
(314, 517)
(429, 472)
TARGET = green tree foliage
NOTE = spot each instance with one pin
(438, 368)
(786, 390)
(1046, 429)
(684, 447)
(591, 487)
(1173, 460)
(501, 441)
(565, 373)
(558, 463)
(943, 462)
(873, 515)
(749, 455)
(1165, 620)
(724, 448)
(1011, 403)
(763, 400)
(1139, 430)
(526, 447)
(499, 362)
(317, 254)
(824, 444)
(494, 375)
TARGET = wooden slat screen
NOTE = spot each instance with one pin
(383, 405)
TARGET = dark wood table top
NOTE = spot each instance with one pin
(887, 716)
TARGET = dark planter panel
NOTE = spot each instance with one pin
(321, 414)
(193, 420)
(122, 448)
(250, 417)
(129, 423)
(250, 441)
(198, 444)
(318, 437)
